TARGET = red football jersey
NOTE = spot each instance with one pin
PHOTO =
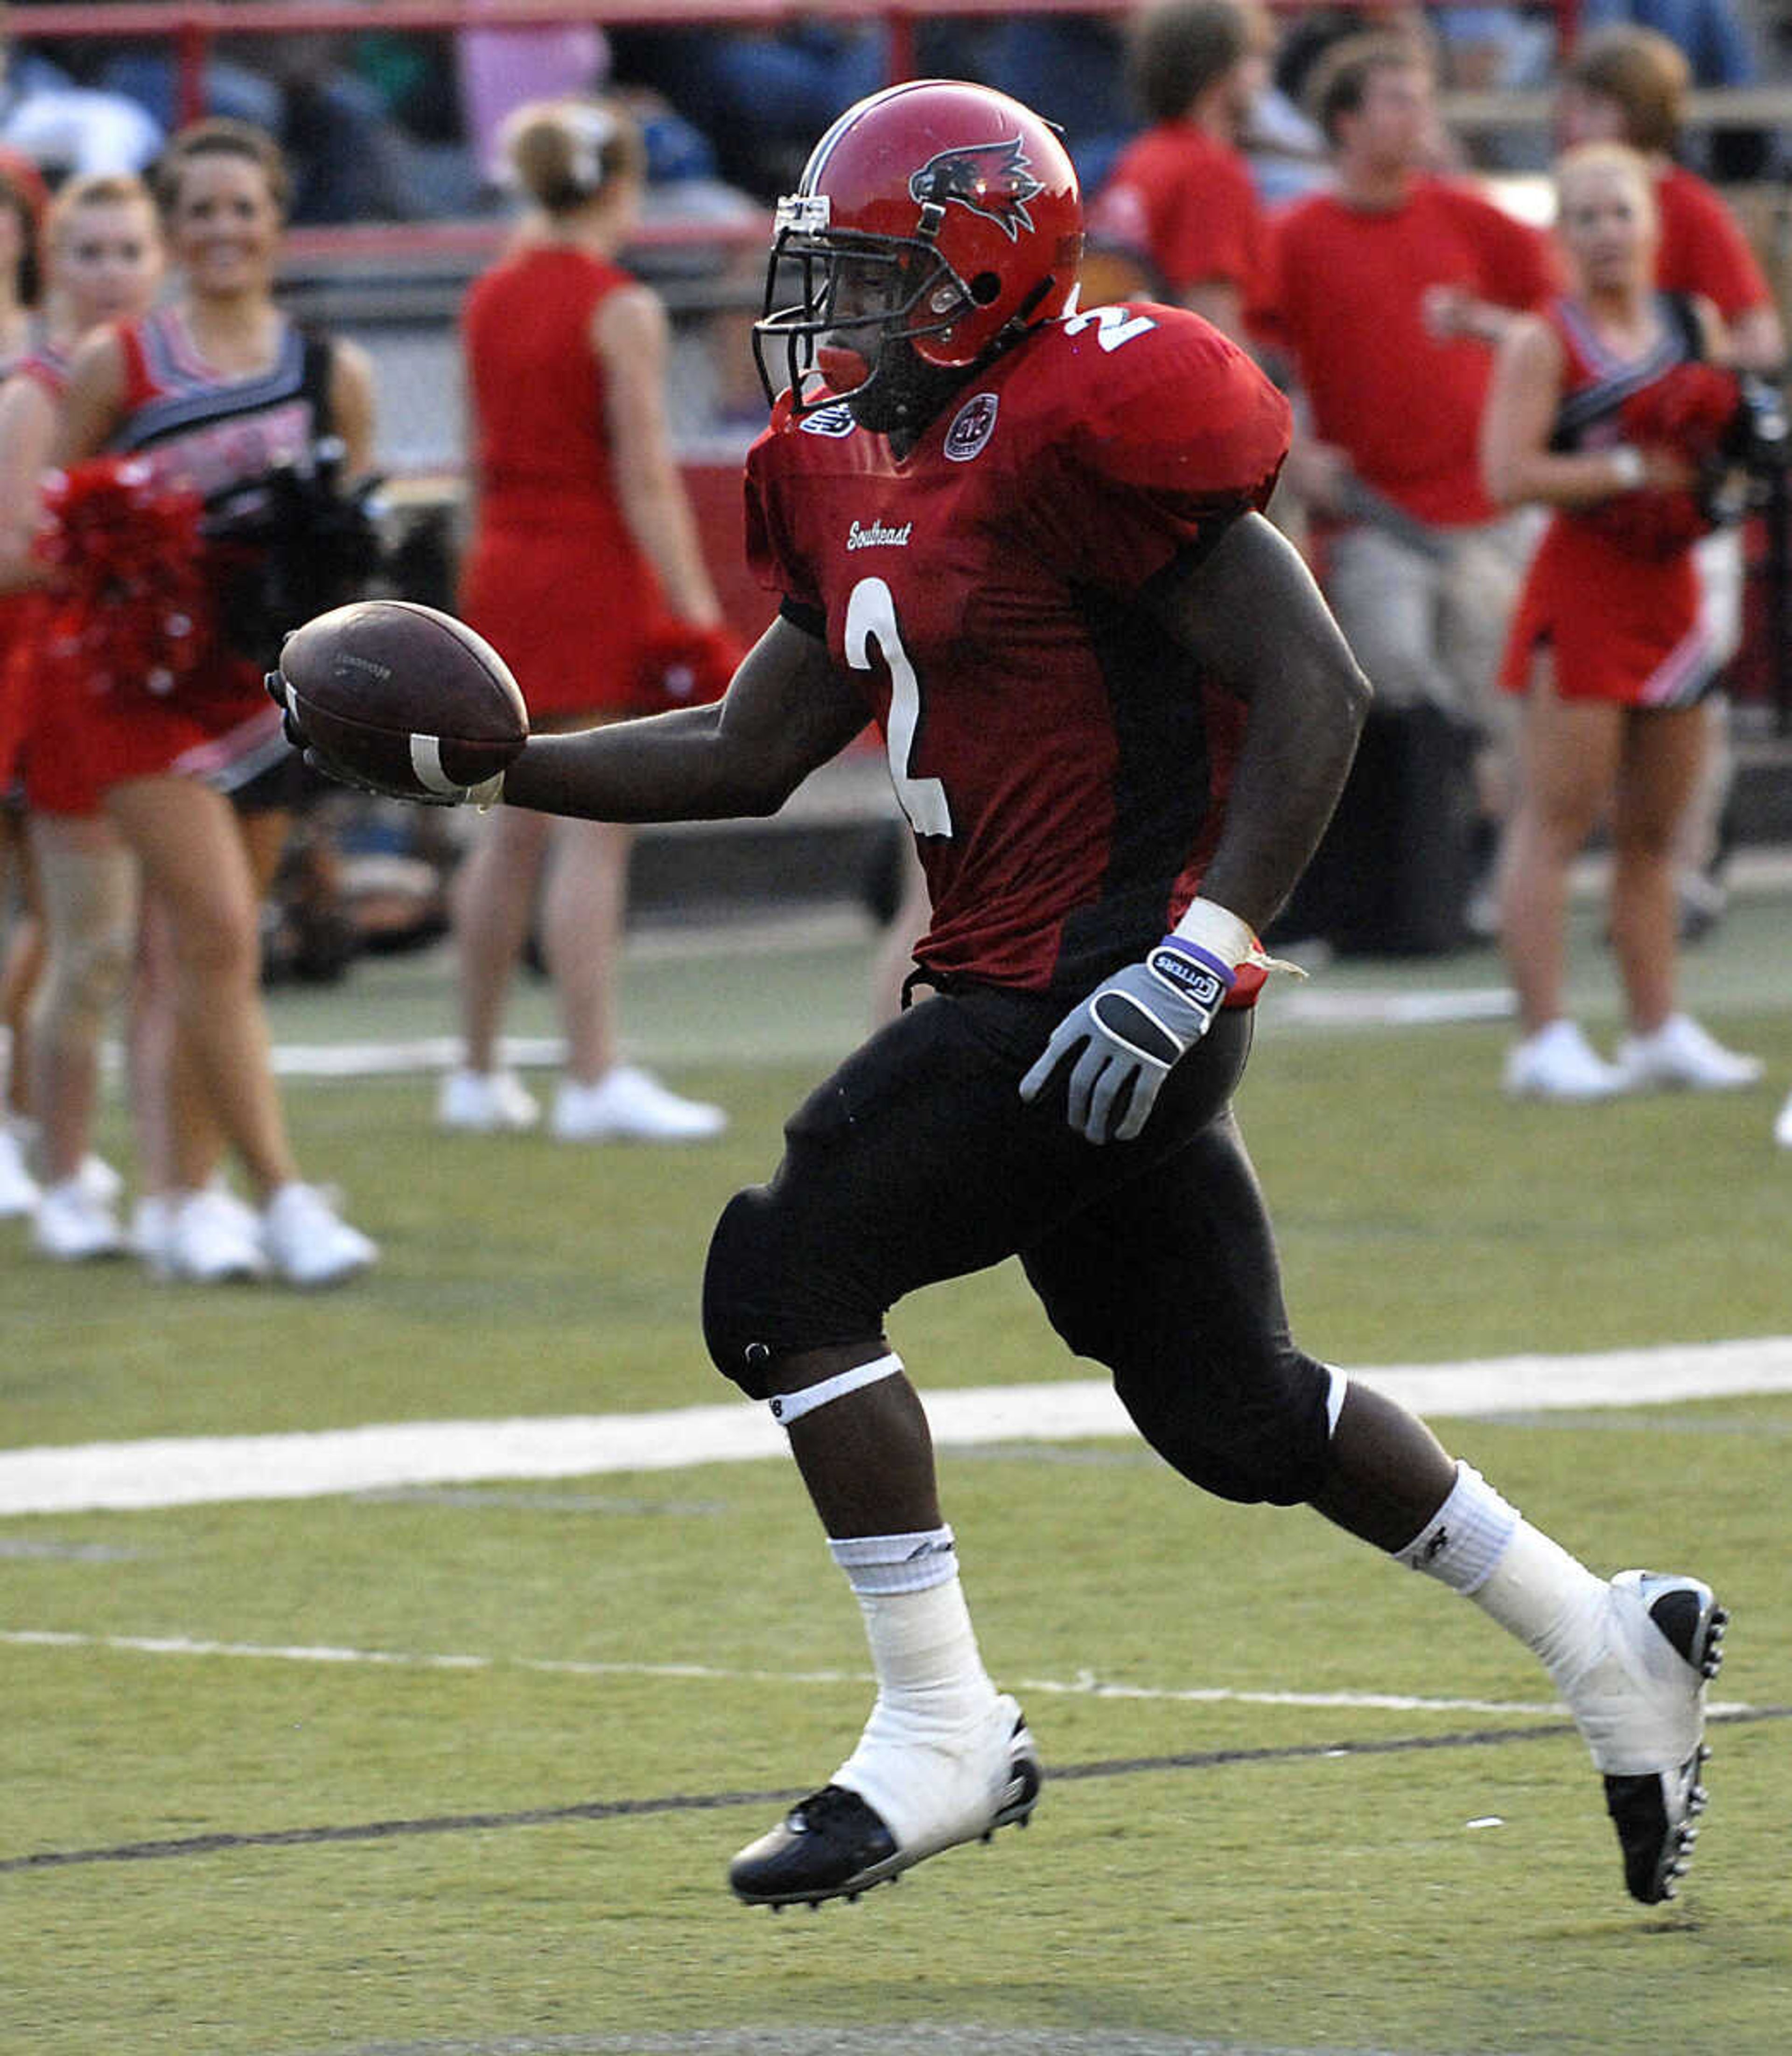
(1063, 765)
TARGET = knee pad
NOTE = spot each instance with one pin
(741, 1283)
(770, 1290)
(83, 980)
(1262, 1439)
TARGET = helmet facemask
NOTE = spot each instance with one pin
(864, 300)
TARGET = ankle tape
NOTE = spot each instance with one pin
(788, 1406)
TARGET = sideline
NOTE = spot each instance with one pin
(95, 1476)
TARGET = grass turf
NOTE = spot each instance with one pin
(679, 1637)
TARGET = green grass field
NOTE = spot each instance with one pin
(453, 1769)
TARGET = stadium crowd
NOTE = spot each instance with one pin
(1287, 178)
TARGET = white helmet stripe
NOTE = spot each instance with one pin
(819, 156)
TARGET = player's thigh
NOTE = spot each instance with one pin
(1173, 1282)
(1185, 1251)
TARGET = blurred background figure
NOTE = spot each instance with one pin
(583, 568)
(227, 404)
(501, 69)
(1180, 198)
(760, 96)
(1713, 37)
(68, 130)
(1608, 408)
(1628, 84)
(20, 924)
(103, 252)
(1385, 296)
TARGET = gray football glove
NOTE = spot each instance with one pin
(1129, 1031)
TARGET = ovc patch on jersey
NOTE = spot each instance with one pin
(830, 421)
(971, 427)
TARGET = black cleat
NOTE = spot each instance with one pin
(834, 1845)
(1656, 1811)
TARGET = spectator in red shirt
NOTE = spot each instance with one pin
(1180, 198)
(1387, 295)
(1630, 85)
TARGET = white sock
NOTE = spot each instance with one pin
(1479, 1544)
(932, 1686)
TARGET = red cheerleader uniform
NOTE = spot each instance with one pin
(1612, 590)
(553, 578)
(202, 432)
(20, 615)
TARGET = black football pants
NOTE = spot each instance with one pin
(918, 1160)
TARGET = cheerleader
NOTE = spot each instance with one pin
(1610, 408)
(213, 392)
(584, 570)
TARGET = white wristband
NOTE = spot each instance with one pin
(1626, 466)
(1210, 927)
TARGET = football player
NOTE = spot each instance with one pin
(1025, 538)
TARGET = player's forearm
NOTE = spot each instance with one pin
(1297, 751)
(1251, 615)
(671, 767)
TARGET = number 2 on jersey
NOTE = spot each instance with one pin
(871, 618)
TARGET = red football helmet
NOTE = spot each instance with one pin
(936, 213)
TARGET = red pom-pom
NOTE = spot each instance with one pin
(130, 604)
(1689, 411)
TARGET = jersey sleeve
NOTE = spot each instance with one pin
(775, 553)
(1163, 432)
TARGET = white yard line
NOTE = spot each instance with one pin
(1086, 1686)
(199, 1471)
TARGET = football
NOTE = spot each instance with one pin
(404, 696)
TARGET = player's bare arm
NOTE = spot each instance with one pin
(1250, 612)
(788, 710)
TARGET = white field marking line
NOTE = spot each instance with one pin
(1086, 1685)
(119, 1476)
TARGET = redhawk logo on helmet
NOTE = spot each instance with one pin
(994, 179)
